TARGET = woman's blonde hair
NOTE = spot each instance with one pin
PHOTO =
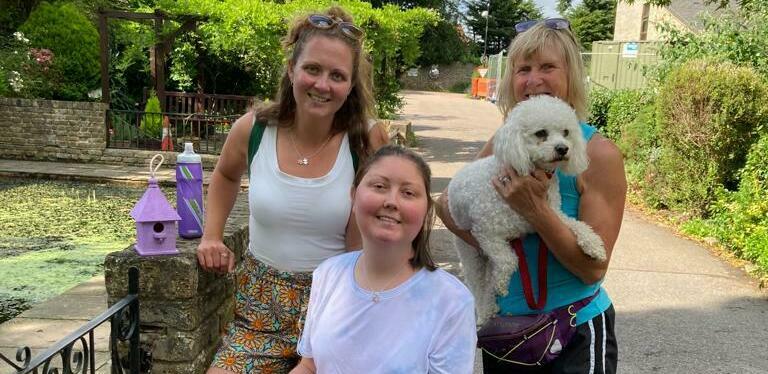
(353, 115)
(537, 40)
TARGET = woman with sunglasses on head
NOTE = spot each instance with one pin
(544, 59)
(301, 152)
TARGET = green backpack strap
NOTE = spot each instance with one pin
(257, 132)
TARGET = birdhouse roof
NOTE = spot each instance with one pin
(153, 206)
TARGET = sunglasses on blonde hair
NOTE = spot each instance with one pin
(324, 22)
(552, 23)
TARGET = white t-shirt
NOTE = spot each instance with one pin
(425, 325)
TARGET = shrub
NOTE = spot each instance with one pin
(709, 114)
(740, 219)
(152, 122)
(24, 71)
(624, 107)
(599, 102)
(737, 35)
(460, 87)
(65, 30)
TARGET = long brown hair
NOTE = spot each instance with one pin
(353, 115)
(422, 256)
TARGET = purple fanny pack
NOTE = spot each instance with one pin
(530, 340)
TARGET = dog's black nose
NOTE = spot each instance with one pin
(561, 150)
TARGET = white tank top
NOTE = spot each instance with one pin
(296, 223)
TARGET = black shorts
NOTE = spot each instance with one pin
(592, 350)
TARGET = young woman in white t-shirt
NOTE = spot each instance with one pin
(387, 308)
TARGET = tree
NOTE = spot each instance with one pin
(591, 20)
(502, 17)
(442, 44)
(69, 34)
(448, 9)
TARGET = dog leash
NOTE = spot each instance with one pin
(525, 277)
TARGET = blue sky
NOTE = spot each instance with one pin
(548, 7)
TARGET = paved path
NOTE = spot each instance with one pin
(46, 323)
(128, 175)
(679, 309)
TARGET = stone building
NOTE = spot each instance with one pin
(637, 21)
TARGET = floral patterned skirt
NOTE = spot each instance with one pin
(270, 306)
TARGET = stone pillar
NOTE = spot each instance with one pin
(183, 309)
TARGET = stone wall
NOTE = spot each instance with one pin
(183, 309)
(135, 157)
(52, 130)
(72, 131)
(449, 77)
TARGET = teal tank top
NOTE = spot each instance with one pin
(563, 287)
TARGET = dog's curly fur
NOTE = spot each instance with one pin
(541, 132)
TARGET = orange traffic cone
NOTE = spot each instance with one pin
(167, 144)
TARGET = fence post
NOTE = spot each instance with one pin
(133, 289)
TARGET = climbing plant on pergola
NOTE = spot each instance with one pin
(159, 51)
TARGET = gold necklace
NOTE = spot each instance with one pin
(375, 295)
(304, 160)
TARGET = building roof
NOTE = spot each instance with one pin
(153, 206)
(690, 11)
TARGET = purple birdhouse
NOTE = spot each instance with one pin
(155, 223)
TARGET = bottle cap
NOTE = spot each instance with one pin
(189, 148)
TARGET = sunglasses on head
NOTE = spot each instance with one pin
(324, 22)
(552, 23)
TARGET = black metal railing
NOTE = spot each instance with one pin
(130, 129)
(77, 352)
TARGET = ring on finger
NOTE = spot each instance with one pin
(224, 255)
(504, 179)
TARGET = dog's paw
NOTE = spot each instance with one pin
(590, 243)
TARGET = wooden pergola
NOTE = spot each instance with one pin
(158, 53)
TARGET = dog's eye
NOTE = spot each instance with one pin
(566, 132)
(541, 134)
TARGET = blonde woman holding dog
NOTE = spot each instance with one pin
(561, 286)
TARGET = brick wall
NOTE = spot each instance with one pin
(450, 75)
(51, 130)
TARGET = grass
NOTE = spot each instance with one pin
(54, 235)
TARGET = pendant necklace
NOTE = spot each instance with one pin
(304, 160)
(376, 295)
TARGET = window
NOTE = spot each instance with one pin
(644, 22)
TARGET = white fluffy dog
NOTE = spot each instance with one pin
(541, 132)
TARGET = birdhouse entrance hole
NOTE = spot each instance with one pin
(158, 227)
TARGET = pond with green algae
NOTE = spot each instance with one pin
(55, 235)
